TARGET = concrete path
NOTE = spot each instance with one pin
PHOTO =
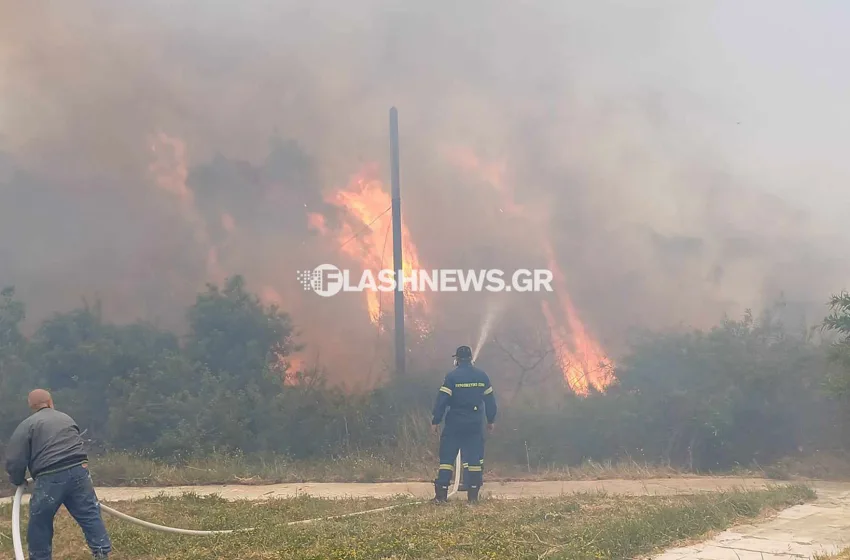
(509, 490)
(820, 527)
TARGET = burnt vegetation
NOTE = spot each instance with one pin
(746, 393)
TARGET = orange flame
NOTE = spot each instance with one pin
(580, 357)
(293, 363)
(170, 171)
(365, 236)
(170, 168)
(586, 365)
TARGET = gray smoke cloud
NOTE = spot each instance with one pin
(682, 160)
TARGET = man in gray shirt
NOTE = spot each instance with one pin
(48, 443)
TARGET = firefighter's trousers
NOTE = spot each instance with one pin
(469, 440)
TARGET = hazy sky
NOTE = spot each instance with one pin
(776, 68)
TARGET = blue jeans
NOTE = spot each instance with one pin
(73, 488)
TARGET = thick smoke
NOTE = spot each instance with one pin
(146, 148)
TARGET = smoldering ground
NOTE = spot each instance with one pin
(150, 147)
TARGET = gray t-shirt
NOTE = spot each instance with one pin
(45, 441)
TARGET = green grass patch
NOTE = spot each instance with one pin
(572, 526)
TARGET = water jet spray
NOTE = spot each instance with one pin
(494, 309)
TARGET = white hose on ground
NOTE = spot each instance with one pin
(16, 523)
(387, 508)
(16, 517)
(165, 529)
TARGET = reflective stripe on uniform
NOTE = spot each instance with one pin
(446, 390)
(488, 390)
(447, 467)
(473, 468)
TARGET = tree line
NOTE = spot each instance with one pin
(747, 392)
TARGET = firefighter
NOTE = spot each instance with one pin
(466, 392)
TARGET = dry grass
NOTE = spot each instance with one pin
(127, 469)
(816, 466)
(843, 555)
(131, 470)
(577, 527)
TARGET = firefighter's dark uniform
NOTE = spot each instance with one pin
(467, 393)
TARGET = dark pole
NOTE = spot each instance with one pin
(397, 261)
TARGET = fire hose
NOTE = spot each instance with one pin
(19, 493)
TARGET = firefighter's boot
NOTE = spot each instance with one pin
(441, 493)
(472, 494)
